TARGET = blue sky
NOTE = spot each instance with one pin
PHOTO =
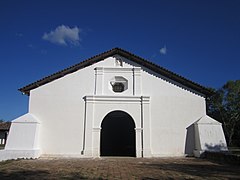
(198, 39)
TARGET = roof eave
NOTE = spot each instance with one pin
(26, 90)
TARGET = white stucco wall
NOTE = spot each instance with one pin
(173, 109)
(60, 107)
(209, 136)
(23, 139)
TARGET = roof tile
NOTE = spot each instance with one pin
(154, 67)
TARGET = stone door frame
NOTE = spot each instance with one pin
(97, 107)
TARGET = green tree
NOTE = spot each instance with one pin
(224, 106)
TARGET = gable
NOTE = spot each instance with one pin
(207, 120)
(113, 52)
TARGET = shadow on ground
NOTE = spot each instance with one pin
(118, 168)
(23, 174)
(196, 170)
(38, 174)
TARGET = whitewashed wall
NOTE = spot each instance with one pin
(23, 139)
(173, 109)
(60, 107)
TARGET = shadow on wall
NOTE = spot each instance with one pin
(190, 141)
(216, 148)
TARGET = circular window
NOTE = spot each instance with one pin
(118, 87)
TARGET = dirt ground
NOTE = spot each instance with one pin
(117, 168)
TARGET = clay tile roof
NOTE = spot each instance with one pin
(5, 125)
(154, 67)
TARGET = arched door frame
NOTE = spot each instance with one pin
(97, 107)
(128, 121)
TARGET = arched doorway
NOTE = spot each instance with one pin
(118, 135)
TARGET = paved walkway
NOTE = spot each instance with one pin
(117, 168)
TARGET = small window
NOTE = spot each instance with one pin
(118, 84)
(118, 87)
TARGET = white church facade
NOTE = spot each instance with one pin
(114, 104)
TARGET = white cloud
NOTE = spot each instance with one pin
(163, 50)
(63, 35)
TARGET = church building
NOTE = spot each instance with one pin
(114, 104)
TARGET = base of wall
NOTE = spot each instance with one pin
(96, 154)
(167, 155)
(198, 153)
(146, 153)
(33, 154)
(53, 156)
(18, 154)
(49, 156)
